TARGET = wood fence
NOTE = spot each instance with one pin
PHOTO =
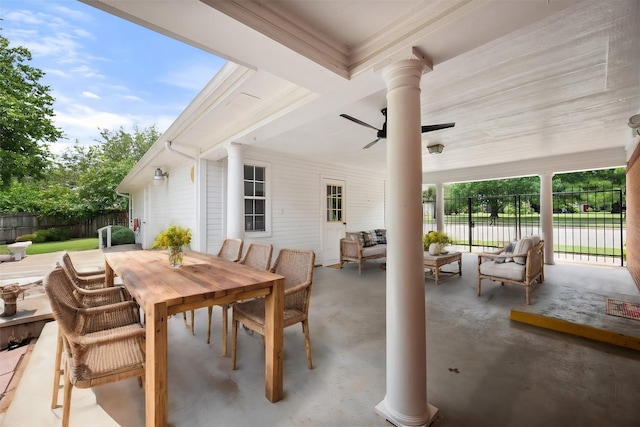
(17, 224)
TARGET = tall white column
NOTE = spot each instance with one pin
(546, 215)
(235, 192)
(440, 207)
(405, 402)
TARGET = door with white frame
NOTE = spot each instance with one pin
(334, 219)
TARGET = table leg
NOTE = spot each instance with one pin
(460, 267)
(274, 341)
(436, 273)
(108, 275)
(155, 390)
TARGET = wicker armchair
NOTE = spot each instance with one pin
(297, 268)
(103, 342)
(258, 256)
(523, 266)
(86, 280)
(231, 249)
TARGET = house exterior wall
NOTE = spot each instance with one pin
(172, 203)
(296, 202)
(216, 184)
(633, 216)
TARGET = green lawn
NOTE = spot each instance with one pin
(68, 245)
(570, 220)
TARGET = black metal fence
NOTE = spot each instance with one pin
(588, 225)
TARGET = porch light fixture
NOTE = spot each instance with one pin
(634, 123)
(159, 177)
(435, 148)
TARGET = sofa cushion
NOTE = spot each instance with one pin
(522, 247)
(508, 270)
(356, 236)
(372, 251)
(381, 235)
(369, 238)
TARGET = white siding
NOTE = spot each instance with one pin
(297, 205)
(137, 211)
(215, 205)
(173, 203)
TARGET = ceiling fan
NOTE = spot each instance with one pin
(382, 133)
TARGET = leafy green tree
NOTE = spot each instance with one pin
(81, 181)
(26, 111)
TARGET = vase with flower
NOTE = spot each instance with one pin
(174, 239)
(434, 242)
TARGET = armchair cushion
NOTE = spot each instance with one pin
(522, 247)
(507, 270)
(357, 236)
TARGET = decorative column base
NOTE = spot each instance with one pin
(383, 412)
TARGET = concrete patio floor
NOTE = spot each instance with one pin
(483, 369)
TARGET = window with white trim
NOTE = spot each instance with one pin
(255, 198)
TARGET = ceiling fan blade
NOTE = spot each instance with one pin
(360, 122)
(371, 143)
(429, 128)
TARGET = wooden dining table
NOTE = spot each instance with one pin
(202, 281)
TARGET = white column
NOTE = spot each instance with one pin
(235, 192)
(440, 207)
(405, 402)
(546, 215)
(199, 178)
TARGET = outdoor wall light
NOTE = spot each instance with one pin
(634, 123)
(159, 177)
(435, 148)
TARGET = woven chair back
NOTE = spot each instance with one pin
(297, 268)
(231, 249)
(258, 256)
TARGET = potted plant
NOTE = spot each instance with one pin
(173, 238)
(435, 241)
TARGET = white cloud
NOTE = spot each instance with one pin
(88, 94)
(131, 98)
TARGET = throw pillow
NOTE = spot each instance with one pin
(369, 239)
(522, 247)
(381, 235)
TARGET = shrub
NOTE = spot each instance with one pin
(26, 237)
(121, 235)
(39, 236)
(58, 234)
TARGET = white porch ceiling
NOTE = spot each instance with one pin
(533, 85)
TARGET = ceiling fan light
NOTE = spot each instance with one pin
(435, 148)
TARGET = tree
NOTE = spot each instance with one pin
(81, 182)
(26, 111)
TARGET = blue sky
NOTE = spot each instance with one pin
(103, 71)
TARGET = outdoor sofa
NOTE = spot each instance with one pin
(361, 246)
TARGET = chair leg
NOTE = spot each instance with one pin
(307, 342)
(209, 313)
(66, 403)
(225, 326)
(186, 324)
(479, 279)
(234, 342)
(193, 323)
(56, 372)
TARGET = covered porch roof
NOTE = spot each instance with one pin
(533, 86)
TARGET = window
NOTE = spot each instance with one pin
(334, 203)
(255, 199)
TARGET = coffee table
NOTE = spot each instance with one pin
(433, 263)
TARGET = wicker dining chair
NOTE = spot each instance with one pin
(231, 249)
(87, 316)
(258, 256)
(297, 268)
(86, 280)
